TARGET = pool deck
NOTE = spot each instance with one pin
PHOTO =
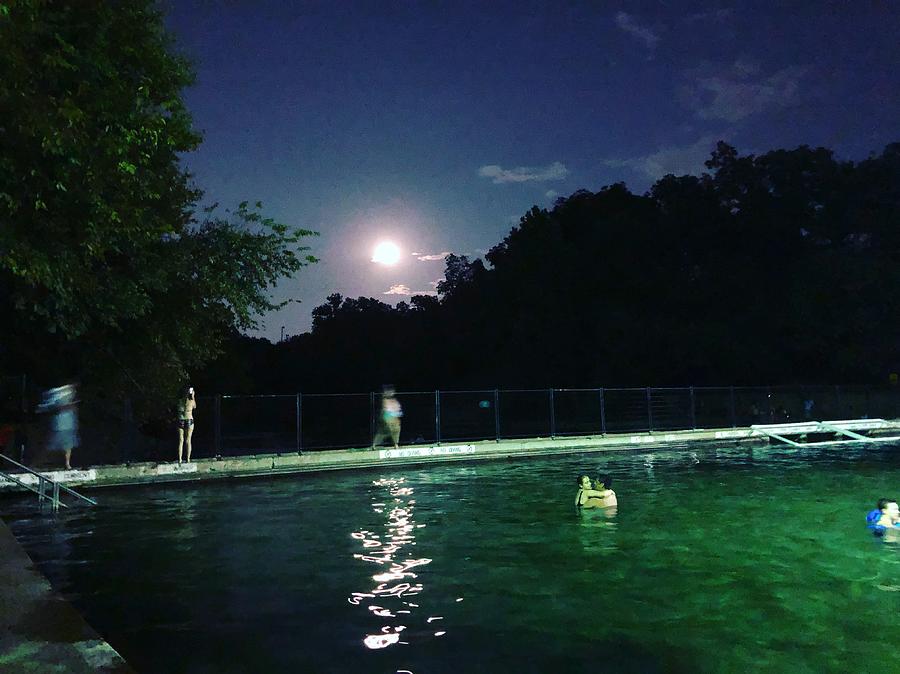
(40, 631)
(287, 462)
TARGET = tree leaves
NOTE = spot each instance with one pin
(98, 240)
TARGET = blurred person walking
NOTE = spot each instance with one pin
(62, 403)
(389, 421)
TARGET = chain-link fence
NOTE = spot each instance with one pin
(235, 425)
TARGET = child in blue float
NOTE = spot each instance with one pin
(885, 517)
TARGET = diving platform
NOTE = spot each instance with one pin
(841, 432)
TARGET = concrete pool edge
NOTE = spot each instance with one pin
(253, 465)
(39, 630)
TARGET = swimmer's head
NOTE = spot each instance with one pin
(583, 481)
(387, 390)
(888, 507)
(604, 481)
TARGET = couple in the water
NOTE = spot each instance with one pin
(596, 495)
(885, 517)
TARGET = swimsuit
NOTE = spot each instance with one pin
(391, 410)
(184, 409)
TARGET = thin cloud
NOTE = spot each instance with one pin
(740, 91)
(551, 194)
(714, 15)
(523, 174)
(403, 289)
(431, 257)
(630, 25)
(687, 159)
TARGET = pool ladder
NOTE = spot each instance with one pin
(47, 489)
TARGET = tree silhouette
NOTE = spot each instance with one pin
(779, 267)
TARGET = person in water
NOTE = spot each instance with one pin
(588, 497)
(604, 484)
(885, 517)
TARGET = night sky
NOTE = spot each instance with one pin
(436, 125)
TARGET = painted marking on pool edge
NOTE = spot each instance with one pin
(61, 476)
(721, 435)
(172, 468)
(425, 451)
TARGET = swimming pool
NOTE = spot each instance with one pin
(730, 559)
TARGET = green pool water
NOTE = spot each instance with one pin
(718, 560)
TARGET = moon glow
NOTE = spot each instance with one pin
(386, 253)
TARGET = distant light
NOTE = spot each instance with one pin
(387, 253)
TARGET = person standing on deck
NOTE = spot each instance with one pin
(186, 406)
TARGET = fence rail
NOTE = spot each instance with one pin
(231, 425)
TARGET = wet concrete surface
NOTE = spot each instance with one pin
(39, 630)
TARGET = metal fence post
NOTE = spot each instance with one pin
(22, 416)
(733, 413)
(693, 410)
(602, 413)
(497, 414)
(437, 416)
(649, 410)
(299, 424)
(125, 437)
(372, 418)
(552, 416)
(218, 425)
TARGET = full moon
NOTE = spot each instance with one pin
(386, 252)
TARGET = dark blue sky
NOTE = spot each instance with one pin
(437, 124)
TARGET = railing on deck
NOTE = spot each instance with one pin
(231, 425)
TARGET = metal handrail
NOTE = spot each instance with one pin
(40, 493)
(43, 478)
(839, 428)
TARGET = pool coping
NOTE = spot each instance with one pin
(39, 630)
(255, 465)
